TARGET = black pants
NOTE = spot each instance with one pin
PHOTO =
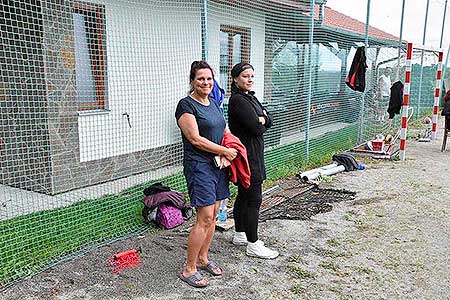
(246, 210)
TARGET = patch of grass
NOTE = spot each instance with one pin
(365, 227)
(333, 242)
(329, 266)
(289, 160)
(335, 289)
(364, 270)
(360, 222)
(326, 179)
(347, 217)
(298, 289)
(331, 253)
(395, 158)
(300, 273)
(130, 285)
(391, 265)
(419, 266)
(295, 259)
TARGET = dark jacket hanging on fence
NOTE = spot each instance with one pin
(396, 99)
(356, 78)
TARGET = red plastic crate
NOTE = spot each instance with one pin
(377, 145)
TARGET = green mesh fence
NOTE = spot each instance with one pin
(88, 91)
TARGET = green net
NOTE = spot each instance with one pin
(88, 91)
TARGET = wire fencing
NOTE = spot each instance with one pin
(88, 91)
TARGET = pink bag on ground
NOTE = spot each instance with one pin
(168, 216)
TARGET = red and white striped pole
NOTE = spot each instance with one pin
(405, 102)
(437, 92)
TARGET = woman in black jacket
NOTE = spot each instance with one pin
(249, 120)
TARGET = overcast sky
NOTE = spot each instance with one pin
(386, 15)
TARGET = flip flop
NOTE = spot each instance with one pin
(193, 280)
(210, 267)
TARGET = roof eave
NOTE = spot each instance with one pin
(387, 42)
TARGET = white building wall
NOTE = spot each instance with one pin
(149, 52)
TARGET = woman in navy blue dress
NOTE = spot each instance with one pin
(202, 126)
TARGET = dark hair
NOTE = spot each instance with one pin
(236, 71)
(195, 66)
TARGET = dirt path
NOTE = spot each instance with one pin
(391, 242)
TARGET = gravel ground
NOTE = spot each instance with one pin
(391, 242)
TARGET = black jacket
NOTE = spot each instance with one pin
(396, 99)
(243, 112)
(356, 78)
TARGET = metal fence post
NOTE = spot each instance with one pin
(361, 113)
(443, 23)
(400, 40)
(204, 25)
(308, 105)
(440, 43)
(446, 62)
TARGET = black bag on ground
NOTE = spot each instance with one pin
(346, 160)
(162, 204)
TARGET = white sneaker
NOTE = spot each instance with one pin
(257, 249)
(239, 239)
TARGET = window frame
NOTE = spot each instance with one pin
(97, 51)
(245, 48)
